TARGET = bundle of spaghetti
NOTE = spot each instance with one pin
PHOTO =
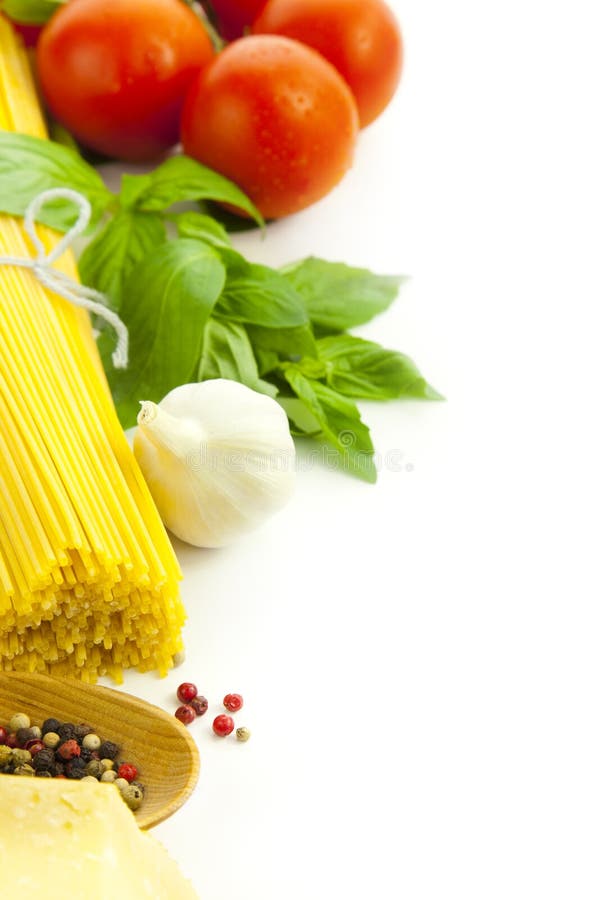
(89, 582)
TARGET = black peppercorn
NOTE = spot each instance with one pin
(75, 768)
(50, 725)
(81, 730)
(44, 759)
(24, 735)
(86, 755)
(66, 732)
(108, 750)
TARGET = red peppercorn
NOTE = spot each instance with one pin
(128, 772)
(185, 714)
(34, 746)
(3, 735)
(186, 692)
(69, 749)
(199, 705)
(11, 741)
(223, 725)
(233, 702)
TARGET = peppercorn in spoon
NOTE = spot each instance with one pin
(151, 741)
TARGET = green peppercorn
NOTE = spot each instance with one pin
(19, 720)
(95, 767)
(109, 776)
(21, 757)
(24, 770)
(108, 763)
(91, 741)
(243, 733)
(132, 796)
(6, 756)
(51, 739)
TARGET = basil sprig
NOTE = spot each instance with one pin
(197, 309)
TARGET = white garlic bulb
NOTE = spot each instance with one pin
(218, 458)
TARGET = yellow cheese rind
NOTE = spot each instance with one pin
(61, 838)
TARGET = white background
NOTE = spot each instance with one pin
(420, 659)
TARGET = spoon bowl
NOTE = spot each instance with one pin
(153, 740)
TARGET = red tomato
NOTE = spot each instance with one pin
(235, 16)
(115, 73)
(276, 118)
(361, 38)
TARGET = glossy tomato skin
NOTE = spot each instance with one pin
(115, 73)
(276, 118)
(361, 38)
(234, 17)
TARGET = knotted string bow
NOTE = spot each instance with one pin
(58, 282)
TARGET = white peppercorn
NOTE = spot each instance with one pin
(51, 740)
(91, 741)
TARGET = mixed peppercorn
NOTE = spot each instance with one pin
(194, 705)
(66, 750)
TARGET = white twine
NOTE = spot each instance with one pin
(58, 282)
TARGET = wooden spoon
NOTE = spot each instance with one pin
(150, 738)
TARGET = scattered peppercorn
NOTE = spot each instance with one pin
(185, 714)
(243, 733)
(186, 692)
(233, 702)
(199, 705)
(223, 725)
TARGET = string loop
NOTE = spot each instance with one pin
(58, 282)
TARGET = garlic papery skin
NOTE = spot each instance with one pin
(218, 459)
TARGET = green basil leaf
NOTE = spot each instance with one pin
(339, 421)
(30, 12)
(132, 186)
(359, 368)
(167, 301)
(181, 178)
(285, 343)
(227, 353)
(201, 228)
(108, 260)
(30, 165)
(261, 296)
(338, 296)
